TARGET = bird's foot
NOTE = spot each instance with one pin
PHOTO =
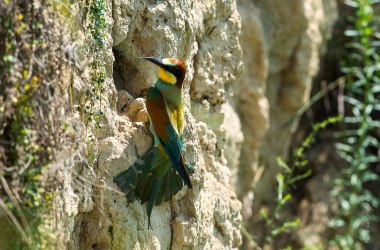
(142, 126)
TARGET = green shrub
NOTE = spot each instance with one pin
(357, 144)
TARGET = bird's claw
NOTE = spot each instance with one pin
(141, 125)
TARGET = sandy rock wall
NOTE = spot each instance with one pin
(205, 36)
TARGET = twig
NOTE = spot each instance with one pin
(15, 222)
(249, 237)
(314, 99)
(15, 202)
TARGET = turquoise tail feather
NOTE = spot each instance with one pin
(151, 179)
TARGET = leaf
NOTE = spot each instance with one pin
(339, 181)
(357, 88)
(280, 179)
(371, 69)
(356, 224)
(9, 58)
(282, 164)
(336, 223)
(375, 43)
(351, 3)
(351, 33)
(294, 223)
(351, 120)
(370, 198)
(353, 101)
(369, 176)
(352, 140)
(369, 159)
(364, 235)
(356, 111)
(346, 157)
(355, 45)
(368, 109)
(264, 213)
(354, 180)
(376, 80)
(345, 205)
(344, 147)
(370, 141)
(286, 198)
(301, 177)
(286, 226)
(356, 199)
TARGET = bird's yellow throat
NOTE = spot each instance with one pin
(166, 76)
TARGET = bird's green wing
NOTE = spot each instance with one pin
(165, 131)
(150, 179)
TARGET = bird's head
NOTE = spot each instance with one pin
(171, 70)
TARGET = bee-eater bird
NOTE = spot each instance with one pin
(161, 172)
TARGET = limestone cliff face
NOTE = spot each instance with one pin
(233, 119)
(205, 36)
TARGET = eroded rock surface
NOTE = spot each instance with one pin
(205, 36)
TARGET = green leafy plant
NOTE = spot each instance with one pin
(31, 68)
(358, 145)
(92, 110)
(277, 221)
(98, 26)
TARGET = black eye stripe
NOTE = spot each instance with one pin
(177, 73)
(174, 70)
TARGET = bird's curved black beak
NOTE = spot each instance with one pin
(156, 61)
